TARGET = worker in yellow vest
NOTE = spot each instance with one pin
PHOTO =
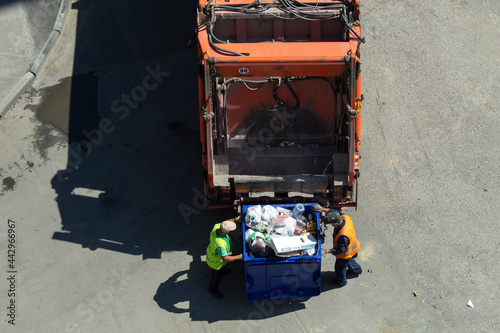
(218, 254)
(345, 245)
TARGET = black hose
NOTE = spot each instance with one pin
(211, 42)
(292, 91)
(224, 51)
(208, 5)
(238, 8)
(347, 24)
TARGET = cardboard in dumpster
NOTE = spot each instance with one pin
(292, 243)
(289, 254)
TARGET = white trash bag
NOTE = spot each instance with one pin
(252, 236)
(268, 213)
(253, 219)
(282, 225)
(249, 232)
(284, 211)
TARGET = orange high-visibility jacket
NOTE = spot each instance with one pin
(348, 231)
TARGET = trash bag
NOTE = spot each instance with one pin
(254, 214)
(260, 248)
(268, 213)
(284, 211)
(259, 226)
(249, 232)
(253, 235)
(278, 230)
(253, 218)
(282, 225)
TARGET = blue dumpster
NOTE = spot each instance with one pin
(279, 278)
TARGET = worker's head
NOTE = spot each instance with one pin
(334, 218)
(227, 226)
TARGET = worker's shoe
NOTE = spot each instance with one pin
(353, 274)
(217, 294)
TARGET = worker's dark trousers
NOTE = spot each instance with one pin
(341, 266)
(214, 284)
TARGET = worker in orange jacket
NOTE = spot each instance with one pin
(345, 244)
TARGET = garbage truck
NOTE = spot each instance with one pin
(280, 101)
(280, 126)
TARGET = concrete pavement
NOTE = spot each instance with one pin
(104, 247)
(26, 26)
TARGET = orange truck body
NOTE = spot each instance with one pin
(280, 101)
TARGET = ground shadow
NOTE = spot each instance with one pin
(134, 154)
(176, 295)
(328, 280)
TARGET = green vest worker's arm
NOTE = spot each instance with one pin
(232, 258)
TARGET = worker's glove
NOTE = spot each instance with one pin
(237, 219)
(318, 208)
(325, 252)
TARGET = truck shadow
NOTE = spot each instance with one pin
(134, 157)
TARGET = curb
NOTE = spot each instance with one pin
(37, 65)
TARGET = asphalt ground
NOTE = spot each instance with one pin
(25, 26)
(102, 244)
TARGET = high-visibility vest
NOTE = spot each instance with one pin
(213, 260)
(348, 231)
